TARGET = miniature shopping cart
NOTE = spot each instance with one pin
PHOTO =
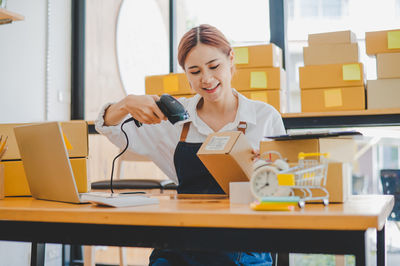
(308, 176)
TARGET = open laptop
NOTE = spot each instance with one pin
(49, 173)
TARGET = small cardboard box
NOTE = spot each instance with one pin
(331, 54)
(338, 183)
(228, 157)
(386, 41)
(388, 65)
(266, 55)
(331, 76)
(1, 181)
(383, 93)
(340, 149)
(16, 184)
(333, 99)
(75, 137)
(250, 79)
(332, 38)
(173, 84)
(276, 98)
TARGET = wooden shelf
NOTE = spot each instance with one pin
(8, 16)
(363, 118)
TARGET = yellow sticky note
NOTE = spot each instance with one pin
(393, 39)
(259, 96)
(286, 179)
(67, 143)
(351, 72)
(241, 55)
(258, 80)
(333, 98)
(170, 83)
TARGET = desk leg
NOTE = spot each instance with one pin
(37, 254)
(380, 247)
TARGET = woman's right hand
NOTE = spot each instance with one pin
(141, 107)
(144, 108)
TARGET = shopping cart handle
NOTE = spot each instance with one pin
(302, 155)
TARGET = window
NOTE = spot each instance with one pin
(142, 42)
(242, 22)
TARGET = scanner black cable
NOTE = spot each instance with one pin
(122, 152)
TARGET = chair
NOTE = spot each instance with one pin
(131, 184)
(390, 179)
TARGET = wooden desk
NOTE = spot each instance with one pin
(202, 225)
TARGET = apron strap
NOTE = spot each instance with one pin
(241, 127)
(185, 131)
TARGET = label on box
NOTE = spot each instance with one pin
(393, 39)
(217, 143)
(333, 98)
(351, 72)
(258, 80)
(241, 55)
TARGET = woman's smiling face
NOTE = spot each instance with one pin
(209, 71)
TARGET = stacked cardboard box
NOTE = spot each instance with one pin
(259, 74)
(332, 78)
(385, 91)
(76, 141)
(174, 84)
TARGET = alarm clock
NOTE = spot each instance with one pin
(264, 181)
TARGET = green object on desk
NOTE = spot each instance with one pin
(294, 199)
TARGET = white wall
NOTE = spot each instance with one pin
(24, 81)
(23, 51)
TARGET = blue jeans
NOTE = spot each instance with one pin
(166, 257)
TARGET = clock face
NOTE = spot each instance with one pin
(264, 182)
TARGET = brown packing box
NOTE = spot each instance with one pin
(173, 84)
(383, 93)
(333, 75)
(16, 184)
(332, 38)
(388, 65)
(266, 55)
(76, 133)
(333, 99)
(340, 149)
(1, 181)
(378, 42)
(338, 183)
(331, 54)
(276, 98)
(228, 157)
(251, 79)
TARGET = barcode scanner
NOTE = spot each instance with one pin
(170, 107)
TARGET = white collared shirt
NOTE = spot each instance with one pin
(158, 142)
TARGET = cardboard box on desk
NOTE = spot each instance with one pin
(16, 184)
(388, 65)
(331, 76)
(340, 149)
(265, 55)
(75, 133)
(331, 54)
(333, 99)
(383, 93)
(386, 41)
(228, 157)
(335, 37)
(338, 183)
(251, 79)
(173, 84)
(276, 98)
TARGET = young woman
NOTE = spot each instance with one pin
(207, 59)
